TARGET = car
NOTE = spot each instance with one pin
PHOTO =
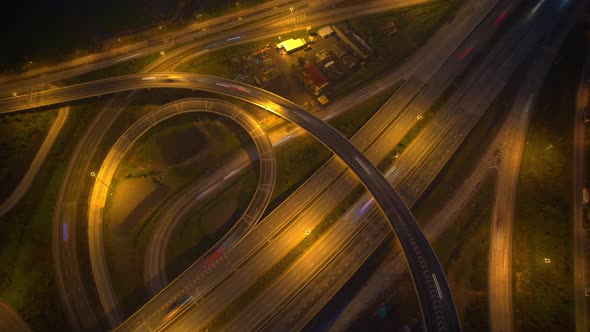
(587, 292)
(587, 114)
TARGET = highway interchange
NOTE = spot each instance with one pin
(421, 89)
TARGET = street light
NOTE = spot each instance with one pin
(101, 181)
(293, 24)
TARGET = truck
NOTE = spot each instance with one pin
(585, 196)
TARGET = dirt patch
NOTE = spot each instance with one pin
(132, 201)
(178, 146)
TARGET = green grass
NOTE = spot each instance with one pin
(22, 136)
(26, 273)
(542, 228)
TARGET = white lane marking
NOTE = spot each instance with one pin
(390, 171)
(303, 117)
(230, 174)
(129, 57)
(362, 165)
(529, 102)
(437, 286)
(537, 7)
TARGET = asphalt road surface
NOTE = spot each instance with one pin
(125, 142)
(375, 286)
(79, 305)
(512, 149)
(437, 305)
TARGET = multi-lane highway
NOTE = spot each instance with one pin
(281, 240)
(436, 301)
(80, 306)
(271, 10)
(361, 166)
(375, 286)
(125, 142)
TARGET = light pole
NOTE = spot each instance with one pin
(101, 181)
(293, 24)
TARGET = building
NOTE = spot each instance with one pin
(314, 78)
(292, 45)
(355, 42)
(339, 50)
(326, 32)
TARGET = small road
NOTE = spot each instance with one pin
(27, 180)
(512, 148)
(581, 238)
(10, 321)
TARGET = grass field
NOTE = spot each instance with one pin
(22, 136)
(26, 273)
(542, 227)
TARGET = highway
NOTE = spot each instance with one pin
(581, 239)
(10, 321)
(80, 307)
(512, 144)
(265, 154)
(27, 180)
(438, 308)
(375, 285)
(349, 224)
(281, 240)
(263, 23)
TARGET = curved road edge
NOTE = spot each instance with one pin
(37, 162)
(435, 297)
(10, 320)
